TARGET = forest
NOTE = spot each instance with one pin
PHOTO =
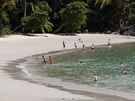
(66, 16)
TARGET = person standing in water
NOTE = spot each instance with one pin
(92, 47)
(95, 78)
(121, 64)
(125, 71)
(83, 47)
(50, 60)
(109, 44)
(44, 60)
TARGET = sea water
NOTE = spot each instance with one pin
(78, 66)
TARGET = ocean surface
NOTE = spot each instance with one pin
(78, 66)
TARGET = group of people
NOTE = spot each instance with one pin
(50, 61)
(124, 72)
(83, 46)
(45, 61)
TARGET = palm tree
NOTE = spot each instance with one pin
(37, 21)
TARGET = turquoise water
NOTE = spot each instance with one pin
(79, 66)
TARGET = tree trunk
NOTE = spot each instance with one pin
(24, 12)
(43, 31)
(25, 8)
(59, 28)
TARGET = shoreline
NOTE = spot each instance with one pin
(17, 70)
(52, 86)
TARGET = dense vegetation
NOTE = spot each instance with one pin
(65, 15)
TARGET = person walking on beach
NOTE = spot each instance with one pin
(80, 40)
(63, 44)
(50, 60)
(75, 45)
(44, 60)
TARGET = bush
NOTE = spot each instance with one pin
(4, 23)
(5, 31)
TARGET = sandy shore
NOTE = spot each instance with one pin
(17, 47)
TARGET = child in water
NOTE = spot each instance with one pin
(95, 78)
(92, 47)
(125, 71)
(50, 60)
(109, 43)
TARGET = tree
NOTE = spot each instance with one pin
(4, 23)
(38, 8)
(74, 15)
(25, 8)
(131, 16)
(119, 6)
(38, 21)
(5, 5)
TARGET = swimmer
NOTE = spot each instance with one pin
(81, 62)
(125, 71)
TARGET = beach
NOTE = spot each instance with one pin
(16, 47)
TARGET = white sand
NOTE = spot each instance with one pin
(17, 47)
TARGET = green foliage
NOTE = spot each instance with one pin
(66, 15)
(4, 20)
(103, 2)
(74, 15)
(131, 15)
(7, 4)
(4, 23)
(119, 7)
(37, 22)
(5, 31)
(102, 19)
(44, 6)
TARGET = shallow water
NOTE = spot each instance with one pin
(79, 66)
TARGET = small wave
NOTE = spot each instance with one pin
(23, 67)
